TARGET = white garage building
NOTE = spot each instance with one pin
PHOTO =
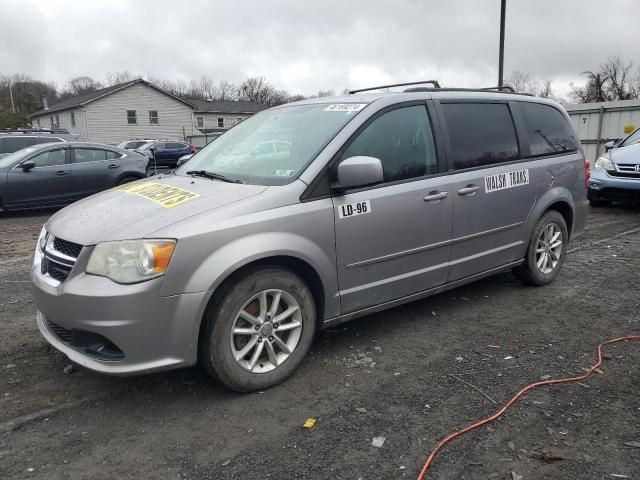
(597, 123)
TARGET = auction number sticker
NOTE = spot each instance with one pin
(345, 107)
(502, 181)
(353, 209)
(162, 194)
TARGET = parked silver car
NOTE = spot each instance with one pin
(380, 199)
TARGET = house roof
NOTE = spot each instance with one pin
(80, 100)
(226, 106)
(203, 106)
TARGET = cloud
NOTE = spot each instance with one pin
(307, 46)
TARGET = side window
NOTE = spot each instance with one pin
(89, 155)
(111, 155)
(178, 146)
(547, 129)
(480, 134)
(403, 141)
(49, 159)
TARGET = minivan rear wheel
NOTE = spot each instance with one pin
(258, 329)
(546, 251)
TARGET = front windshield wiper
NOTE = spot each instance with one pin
(212, 176)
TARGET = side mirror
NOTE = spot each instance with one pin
(609, 145)
(27, 165)
(359, 171)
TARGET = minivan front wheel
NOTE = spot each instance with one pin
(546, 251)
(258, 330)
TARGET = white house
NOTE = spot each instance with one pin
(139, 109)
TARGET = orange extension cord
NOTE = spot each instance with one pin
(484, 421)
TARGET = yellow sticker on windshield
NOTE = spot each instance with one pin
(165, 195)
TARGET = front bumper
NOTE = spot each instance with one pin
(152, 332)
(601, 184)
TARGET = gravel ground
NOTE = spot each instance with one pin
(386, 375)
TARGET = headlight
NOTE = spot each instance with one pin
(131, 261)
(605, 164)
(42, 238)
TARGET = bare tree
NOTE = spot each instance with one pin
(326, 93)
(521, 83)
(226, 91)
(545, 90)
(619, 85)
(116, 78)
(593, 91)
(82, 85)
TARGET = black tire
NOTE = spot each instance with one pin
(215, 348)
(128, 179)
(529, 273)
(596, 200)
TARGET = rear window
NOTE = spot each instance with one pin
(480, 134)
(547, 129)
(13, 144)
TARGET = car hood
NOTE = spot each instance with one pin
(630, 154)
(137, 209)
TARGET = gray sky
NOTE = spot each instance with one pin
(307, 45)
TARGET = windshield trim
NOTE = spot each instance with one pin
(279, 181)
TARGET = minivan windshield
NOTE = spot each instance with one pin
(274, 146)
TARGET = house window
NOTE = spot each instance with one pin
(38, 122)
(200, 122)
(153, 117)
(57, 122)
(131, 117)
(220, 122)
(238, 120)
(51, 121)
(73, 119)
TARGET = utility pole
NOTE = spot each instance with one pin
(503, 8)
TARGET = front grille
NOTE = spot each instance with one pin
(635, 175)
(59, 257)
(55, 270)
(67, 248)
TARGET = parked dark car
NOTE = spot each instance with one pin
(14, 140)
(166, 153)
(56, 174)
(133, 144)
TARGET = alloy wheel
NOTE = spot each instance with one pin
(266, 331)
(549, 248)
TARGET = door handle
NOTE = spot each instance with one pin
(433, 196)
(60, 173)
(469, 190)
(113, 165)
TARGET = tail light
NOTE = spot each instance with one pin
(193, 150)
(587, 172)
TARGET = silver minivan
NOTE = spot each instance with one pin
(367, 201)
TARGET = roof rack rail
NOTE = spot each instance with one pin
(500, 88)
(432, 82)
